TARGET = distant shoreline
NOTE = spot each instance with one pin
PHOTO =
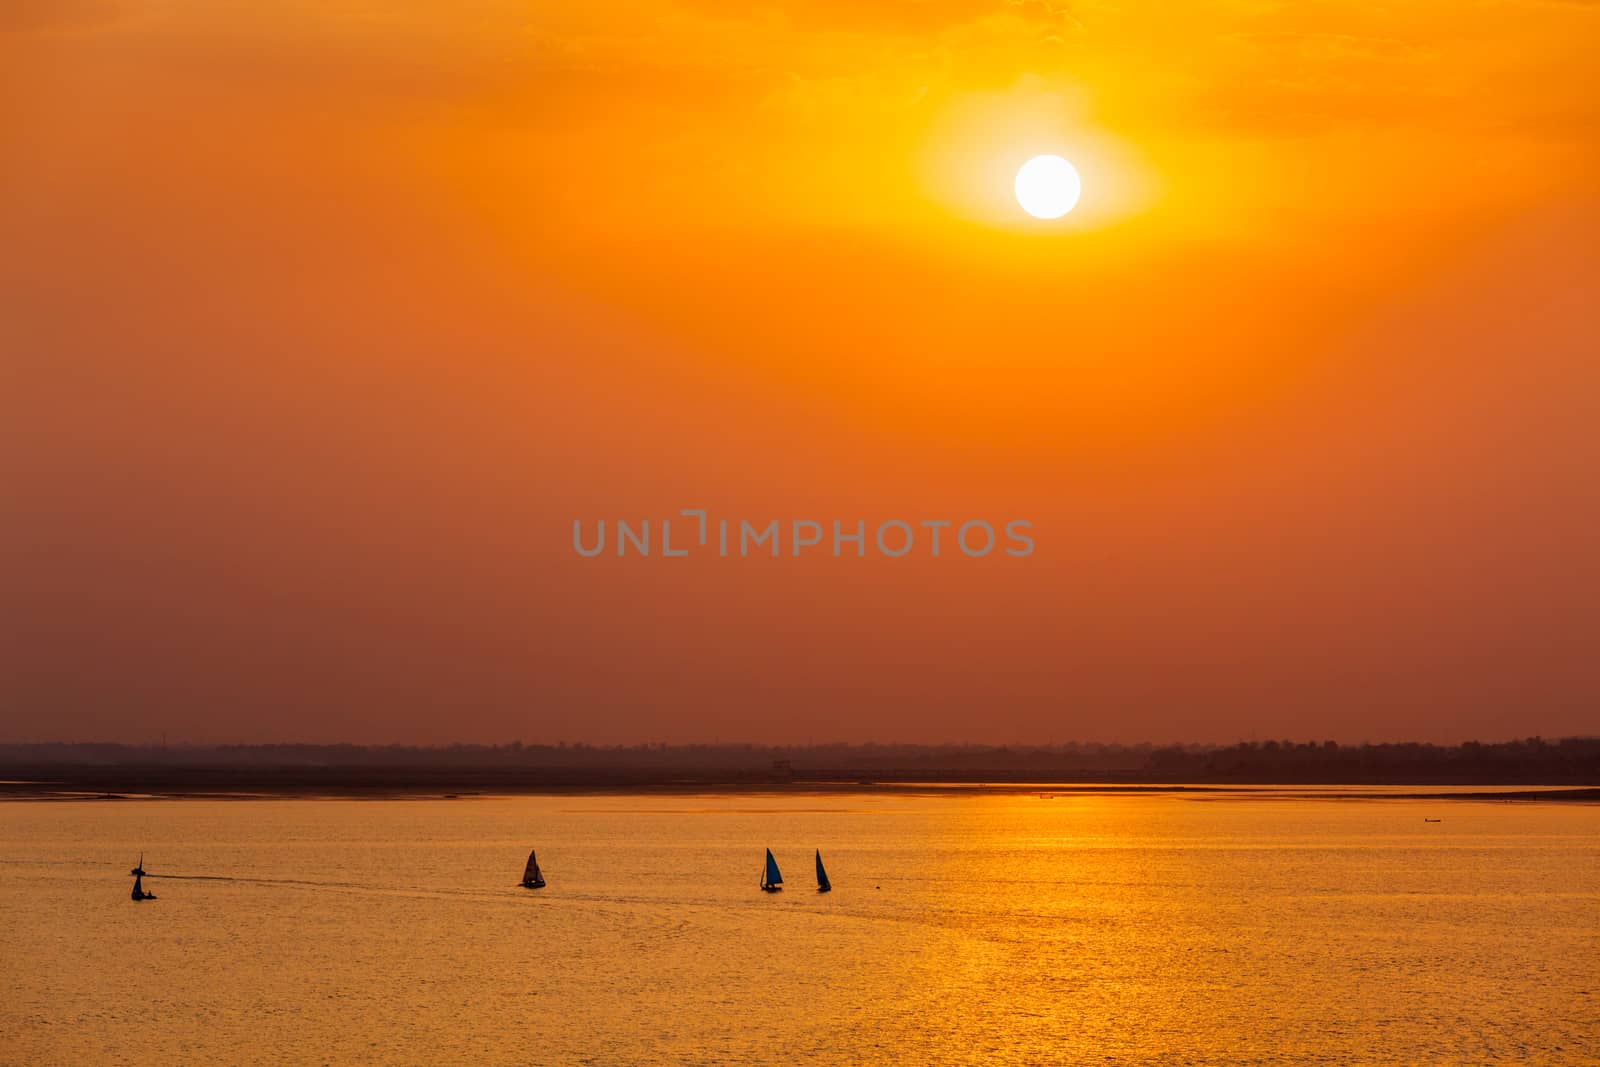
(58, 791)
(1523, 770)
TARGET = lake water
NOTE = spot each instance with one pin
(971, 928)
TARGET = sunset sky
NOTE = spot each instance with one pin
(321, 322)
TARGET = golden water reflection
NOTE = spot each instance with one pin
(962, 928)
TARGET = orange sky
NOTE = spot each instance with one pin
(320, 323)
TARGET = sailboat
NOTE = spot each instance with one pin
(771, 879)
(138, 881)
(531, 876)
(823, 885)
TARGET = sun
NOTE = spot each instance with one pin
(1047, 187)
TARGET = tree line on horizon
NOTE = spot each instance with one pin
(1570, 759)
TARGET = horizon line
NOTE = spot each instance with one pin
(735, 744)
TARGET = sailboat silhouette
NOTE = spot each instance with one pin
(532, 877)
(138, 881)
(771, 878)
(823, 885)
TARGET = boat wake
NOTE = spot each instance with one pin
(249, 880)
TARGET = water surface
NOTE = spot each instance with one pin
(968, 928)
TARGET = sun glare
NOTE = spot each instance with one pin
(1047, 187)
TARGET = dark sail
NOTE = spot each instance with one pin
(771, 879)
(823, 885)
(138, 881)
(531, 876)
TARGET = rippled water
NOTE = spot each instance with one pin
(962, 929)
